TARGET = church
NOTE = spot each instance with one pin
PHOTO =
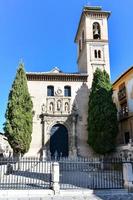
(60, 100)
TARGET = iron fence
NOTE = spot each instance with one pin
(33, 173)
(91, 173)
(27, 173)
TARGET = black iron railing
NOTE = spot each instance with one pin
(33, 173)
(26, 173)
(91, 173)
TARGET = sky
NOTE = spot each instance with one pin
(41, 33)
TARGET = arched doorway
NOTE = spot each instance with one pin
(59, 141)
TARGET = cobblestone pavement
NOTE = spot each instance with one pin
(113, 195)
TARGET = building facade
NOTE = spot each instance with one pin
(5, 148)
(60, 99)
(123, 98)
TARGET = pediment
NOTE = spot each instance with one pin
(56, 70)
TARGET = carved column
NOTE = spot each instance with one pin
(73, 142)
(43, 122)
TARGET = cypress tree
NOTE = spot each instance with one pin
(102, 115)
(18, 125)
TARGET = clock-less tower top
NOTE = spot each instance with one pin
(92, 41)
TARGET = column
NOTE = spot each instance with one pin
(128, 176)
(43, 136)
(73, 144)
(55, 177)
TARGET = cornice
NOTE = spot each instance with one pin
(97, 41)
(92, 12)
(57, 77)
(122, 75)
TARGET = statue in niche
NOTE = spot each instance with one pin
(43, 108)
(66, 107)
(58, 105)
(51, 107)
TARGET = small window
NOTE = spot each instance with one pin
(67, 91)
(83, 38)
(95, 53)
(50, 90)
(127, 137)
(99, 54)
(80, 48)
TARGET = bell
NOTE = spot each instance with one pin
(96, 32)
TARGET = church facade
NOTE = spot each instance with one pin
(60, 100)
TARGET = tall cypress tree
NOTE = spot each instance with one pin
(18, 125)
(102, 115)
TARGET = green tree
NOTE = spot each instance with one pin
(18, 125)
(102, 115)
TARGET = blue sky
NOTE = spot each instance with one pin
(41, 32)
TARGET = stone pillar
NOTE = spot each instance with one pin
(55, 177)
(43, 136)
(73, 145)
(128, 176)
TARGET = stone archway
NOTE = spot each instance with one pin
(59, 141)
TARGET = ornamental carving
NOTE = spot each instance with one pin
(58, 105)
(58, 92)
(58, 120)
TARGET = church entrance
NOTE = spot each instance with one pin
(59, 141)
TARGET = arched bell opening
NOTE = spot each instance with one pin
(96, 31)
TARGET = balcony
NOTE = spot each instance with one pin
(122, 94)
(123, 113)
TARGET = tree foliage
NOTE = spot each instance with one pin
(102, 115)
(18, 125)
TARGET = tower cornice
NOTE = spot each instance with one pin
(91, 11)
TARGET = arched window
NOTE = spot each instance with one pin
(67, 91)
(95, 53)
(83, 38)
(96, 31)
(99, 54)
(50, 90)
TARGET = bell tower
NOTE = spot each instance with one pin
(92, 41)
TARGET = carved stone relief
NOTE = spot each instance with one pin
(58, 92)
(58, 105)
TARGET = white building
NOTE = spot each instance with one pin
(61, 100)
(5, 148)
